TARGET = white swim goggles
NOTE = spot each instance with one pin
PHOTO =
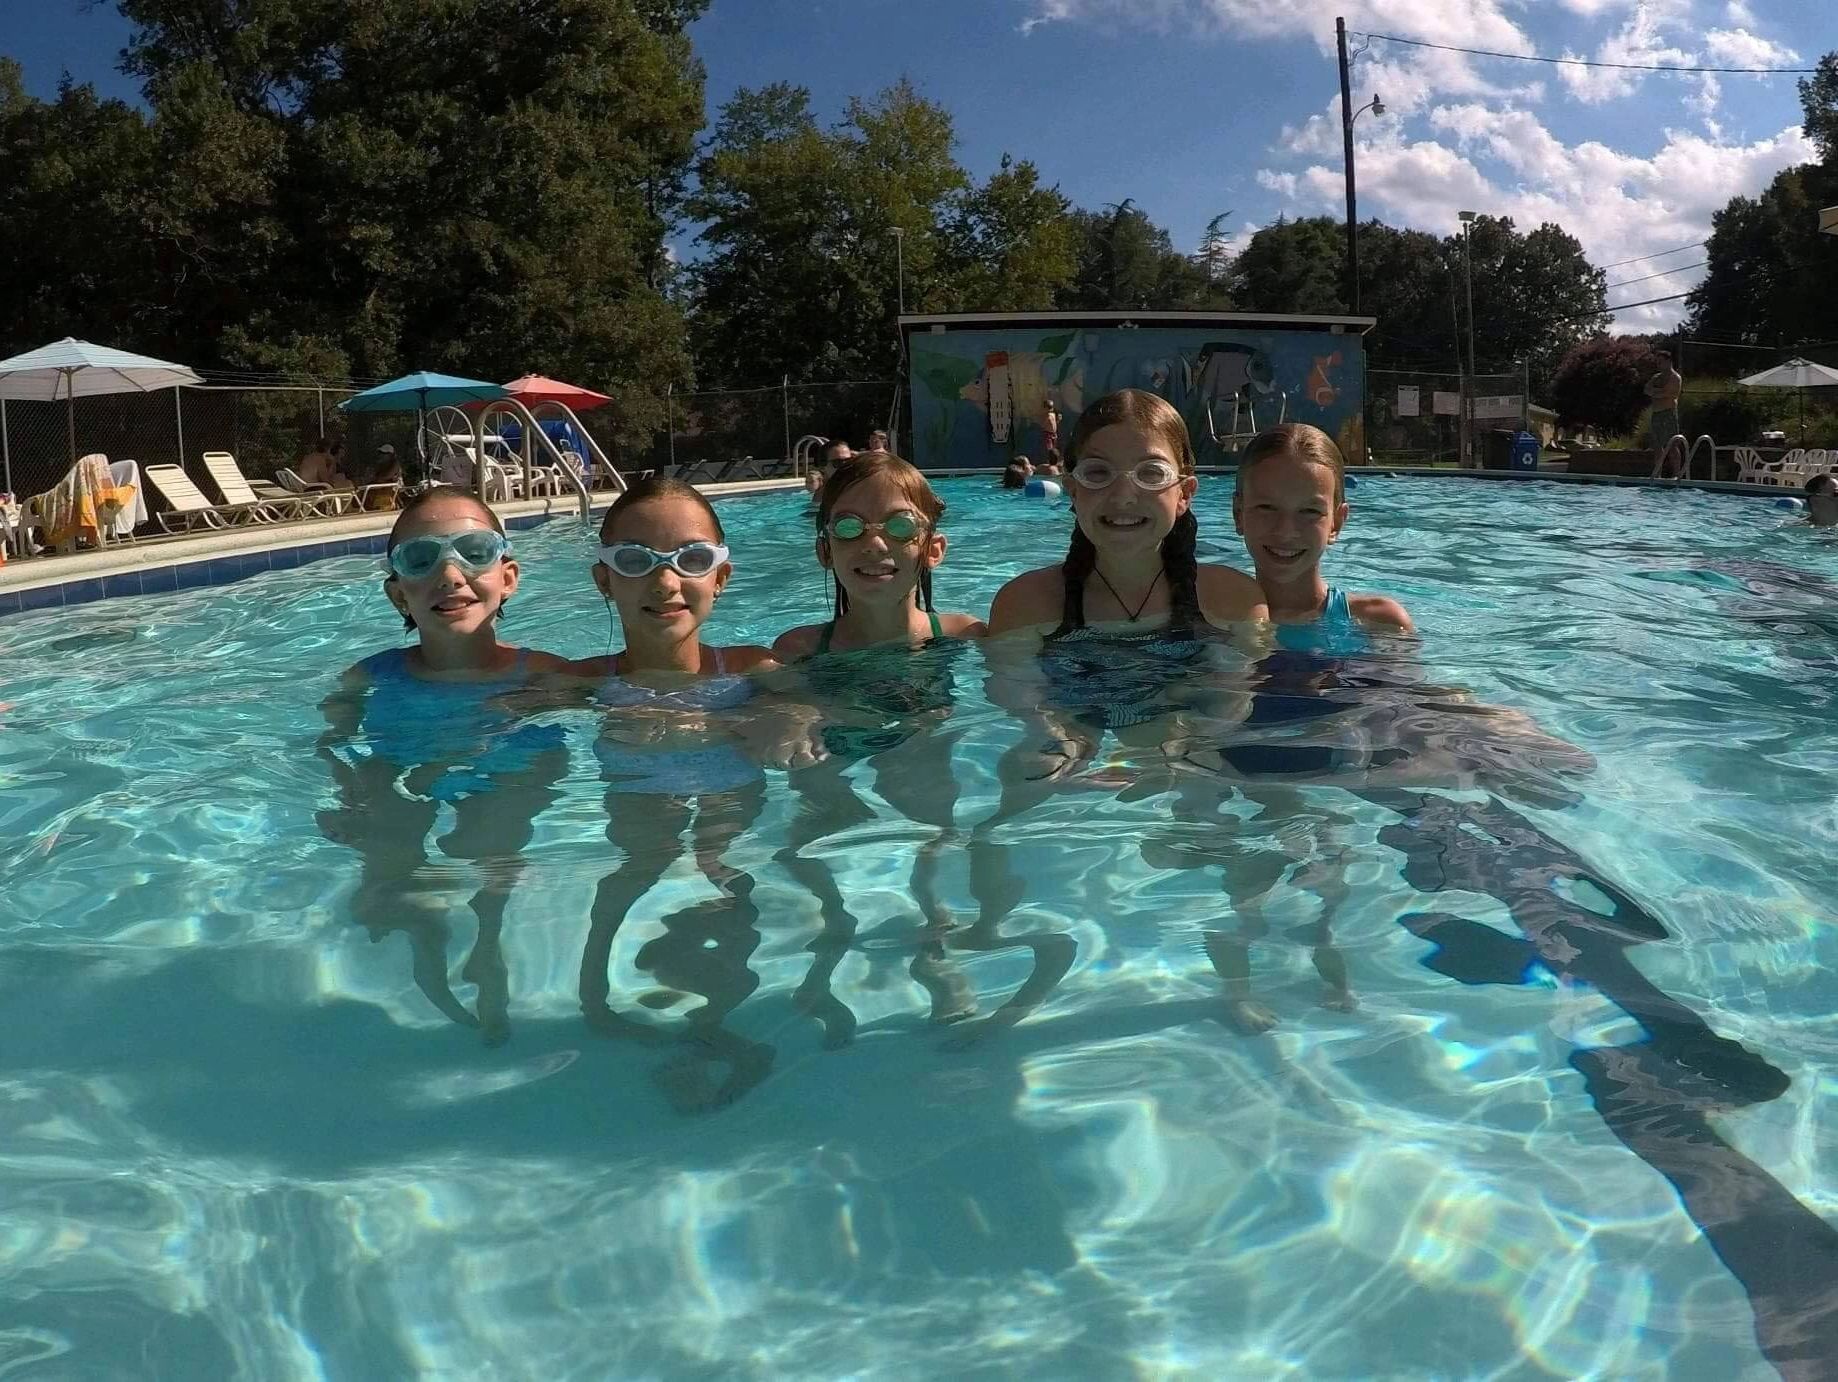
(472, 550)
(1152, 474)
(692, 560)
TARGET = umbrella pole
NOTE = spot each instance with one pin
(70, 401)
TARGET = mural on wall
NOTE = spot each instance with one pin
(981, 397)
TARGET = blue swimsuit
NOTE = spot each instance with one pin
(676, 772)
(1333, 633)
(411, 720)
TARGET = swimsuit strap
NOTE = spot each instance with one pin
(938, 629)
(823, 639)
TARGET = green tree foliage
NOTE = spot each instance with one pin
(1771, 277)
(1535, 294)
(1601, 383)
(1012, 244)
(371, 185)
(1128, 263)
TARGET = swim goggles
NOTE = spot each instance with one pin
(471, 549)
(896, 527)
(1152, 475)
(692, 560)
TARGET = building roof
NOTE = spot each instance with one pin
(1243, 321)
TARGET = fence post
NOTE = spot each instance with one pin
(1525, 395)
(785, 403)
(178, 416)
(6, 447)
(670, 424)
(320, 395)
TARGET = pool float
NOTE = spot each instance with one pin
(1793, 505)
(1037, 488)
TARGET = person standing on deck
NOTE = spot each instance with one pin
(1663, 389)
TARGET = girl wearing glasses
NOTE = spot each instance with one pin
(670, 753)
(883, 662)
(411, 728)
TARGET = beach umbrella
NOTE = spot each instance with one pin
(1795, 374)
(531, 389)
(416, 393)
(71, 369)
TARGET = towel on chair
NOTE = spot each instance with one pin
(80, 505)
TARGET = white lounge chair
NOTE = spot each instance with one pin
(187, 506)
(322, 500)
(276, 504)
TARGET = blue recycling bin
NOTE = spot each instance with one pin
(1525, 451)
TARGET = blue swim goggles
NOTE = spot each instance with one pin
(692, 560)
(472, 550)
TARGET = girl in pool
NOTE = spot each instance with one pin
(671, 746)
(884, 659)
(1289, 506)
(411, 728)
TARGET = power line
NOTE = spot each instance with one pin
(1587, 62)
(1663, 273)
(1623, 306)
(1642, 258)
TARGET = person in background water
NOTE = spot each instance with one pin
(1050, 466)
(1014, 474)
(833, 455)
(1289, 506)
(1822, 501)
(1663, 388)
(410, 729)
(877, 441)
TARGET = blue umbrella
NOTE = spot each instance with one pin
(416, 393)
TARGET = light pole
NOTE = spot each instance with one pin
(1467, 268)
(1347, 116)
(899, 259)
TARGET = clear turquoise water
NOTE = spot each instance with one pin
(236, 1138)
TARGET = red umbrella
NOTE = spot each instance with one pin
(532, 389)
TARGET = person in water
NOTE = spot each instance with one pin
(882, 663)
(1290, 506)
(679, 749)
(437, 722)
(1822, 501)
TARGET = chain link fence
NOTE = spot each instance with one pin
(1422, 417)
(708, 429)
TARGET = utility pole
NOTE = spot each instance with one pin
(899, 259)
(1467, 264)
(1346, 134)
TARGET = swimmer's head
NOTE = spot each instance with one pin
(1822, 501)
(663, 516)
(1013, 476)
(877, 531)
(1290, 502)
(450, 596)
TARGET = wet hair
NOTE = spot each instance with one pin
(1013, 476)
(1299, 442)
(648, 490)
(1822, 484)
(1156, 416)
(866, 465)
(436, 494)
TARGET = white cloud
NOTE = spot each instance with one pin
(1740, 48)
(1282, 183)
(1464, 23)
(1617, 204)
(1739, 14)
(1640, 41)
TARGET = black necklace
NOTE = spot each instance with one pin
(1131, 614)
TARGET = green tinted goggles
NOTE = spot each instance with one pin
(896, 527)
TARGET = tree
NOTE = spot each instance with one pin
(1126, 263)
(1602, 384)
(1293, 266)
(1012, 245)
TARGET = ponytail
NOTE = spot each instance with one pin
(1182, 569)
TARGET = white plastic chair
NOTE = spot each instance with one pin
(322, 500)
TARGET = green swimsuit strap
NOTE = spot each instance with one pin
(938, 629)
(823, 639)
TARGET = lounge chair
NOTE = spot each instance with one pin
(187, 506)
(274, 504)
(323, 500)
(81, 508)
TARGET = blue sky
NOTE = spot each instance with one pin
(1196, 107)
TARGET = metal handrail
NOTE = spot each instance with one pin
(532, 434)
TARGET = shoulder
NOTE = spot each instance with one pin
(1228, 595)
(962, 626)
(1035, 597)
(748, 657)
(538, 663)
(1380, 611)
(598, 668)
(799, 642)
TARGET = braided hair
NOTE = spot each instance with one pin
(1180, 566)
(865, 465)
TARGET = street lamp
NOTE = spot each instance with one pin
(899, 256)
(1467, 264)
(1347, 116)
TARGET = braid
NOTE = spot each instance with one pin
(925, 589)
(1081, 560)
(1183, 574)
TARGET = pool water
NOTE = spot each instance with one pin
(1551, 1140)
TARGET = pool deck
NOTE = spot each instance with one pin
(218, 556)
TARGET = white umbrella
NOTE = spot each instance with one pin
(1795, 374)
(70, 369)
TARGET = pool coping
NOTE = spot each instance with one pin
(165, 565)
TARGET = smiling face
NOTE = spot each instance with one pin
(1122, 518)
(450, 602)
(662, 606)
(1284, 508)
(875, 568)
